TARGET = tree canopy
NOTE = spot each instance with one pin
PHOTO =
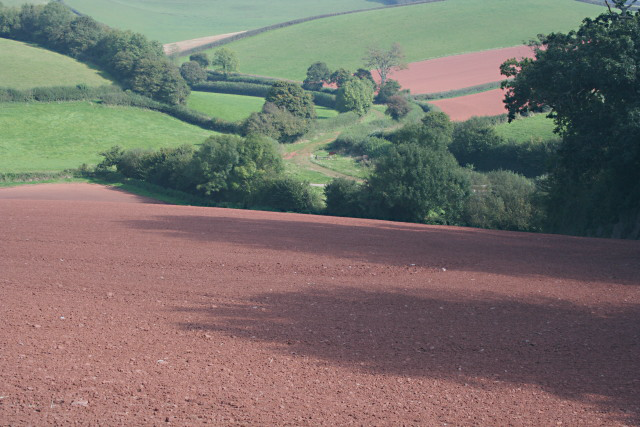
(589, 78)
(385, 61)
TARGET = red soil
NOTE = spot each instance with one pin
(458, 71)
(138, 314)
(480, 104)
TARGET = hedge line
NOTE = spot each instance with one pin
(458, 92)
(56, 93)
(257, 31)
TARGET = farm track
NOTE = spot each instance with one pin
(126, 313)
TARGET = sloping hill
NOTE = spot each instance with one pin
(170, 21)
(52, 137)
(425, 31)
(24, 66)
(135, 314)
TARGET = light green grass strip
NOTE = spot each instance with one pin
(225, 106)
(175, 20)
(52, 137)
(524, 129)
(24, 66)
(236, 107)
(425, 31)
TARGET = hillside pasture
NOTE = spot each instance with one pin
(225, 106)
(425, 31)
(524, 129)
(177, 20)
(52, 137)
(25, 66)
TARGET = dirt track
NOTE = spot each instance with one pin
(125, 313)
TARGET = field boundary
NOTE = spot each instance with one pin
(257, 31)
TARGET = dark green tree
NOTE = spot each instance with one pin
(317, 75)
(387, 90)
(397, 107)
(589, 80)
(473, 141)
(192, 72)
(340, 76)
(291, 97)
(201, 58)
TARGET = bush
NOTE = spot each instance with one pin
(192, 72)
(344, 198)
(288, 195)
(355, 95)
(397, 107)
(291, 97)
(503, 200)
(473, 141)
(387, 90)
(276, 123)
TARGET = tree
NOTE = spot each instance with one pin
(317, 75)
(226, 60)
(397, 107)
(276, 123)
(387, 89)
(588, 79)
(473, 141)
(418, 183)
(192, 72)
(340, 76)
(355, 95)
(201, 58)
(385, 61)
(291, 97)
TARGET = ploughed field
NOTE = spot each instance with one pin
(116, 310)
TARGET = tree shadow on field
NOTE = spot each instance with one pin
(390, 243)
(570, 351)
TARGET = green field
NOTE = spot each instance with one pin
(175, 20)
(536, 128)
(23, 66)
(225, 106)
(425, 31)
(57, 136)
(236, 107)
(20, 2)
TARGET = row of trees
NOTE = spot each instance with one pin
(225, 169)
(136, 62)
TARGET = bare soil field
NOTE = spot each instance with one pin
(181, 46)
(120, 313)
(457, 71)
(487, 103)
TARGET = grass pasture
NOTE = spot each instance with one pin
(524, 129)
(176, 20)
(425, 31)
(236, 107)
(225, 106)
(24, 66)
(56, 136)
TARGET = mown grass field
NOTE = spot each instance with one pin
(425, 31)
(57, 136)
(24, 66)
(175, 20)
(535, 128)
(236, 107)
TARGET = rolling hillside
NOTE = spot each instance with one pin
(53, 137)
(24, 66)
(425, 31)
(170, 21)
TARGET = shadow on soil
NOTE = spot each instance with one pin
(388, 243)
(571, 351)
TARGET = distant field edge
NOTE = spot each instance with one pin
(257, 31)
